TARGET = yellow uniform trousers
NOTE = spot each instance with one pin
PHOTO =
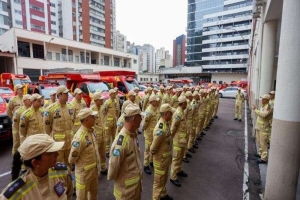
(178, 154)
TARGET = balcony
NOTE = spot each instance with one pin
(220, 31)
(225, 57)
(227, 39)
(224, 66)
(225, 48)
(227, 21)
(97, 33)
(97, 25)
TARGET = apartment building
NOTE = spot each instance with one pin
(87, 21)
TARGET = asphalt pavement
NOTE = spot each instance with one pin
(215, 172)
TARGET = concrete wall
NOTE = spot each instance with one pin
(228, 78)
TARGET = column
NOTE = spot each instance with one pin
(112, 61)
(283, 168)
(31, 50)
(99, 59)
(268, 56)
(67, 53)
(45, 50)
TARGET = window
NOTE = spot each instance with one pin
(57, 56)
(33, 26)
(52, 5)
(23, 49)
(37, 17)
(36, 8)
(77, 59)
(70, 55)
(53, 14)
(134, 61)
(2, 31)
(17, 1)
(38, 51)
(49, 55)
(82, 60)
(53, 22)
(18, 22)
(220, 82)
(18, 12)
(117, 62)
(53, 31)
(1, 19)
(84, 88)
(106, 60)
(87, 57)
(64, 54)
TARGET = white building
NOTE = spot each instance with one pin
(28, 54)
(148, 57)
(159, 56)
(121, 42)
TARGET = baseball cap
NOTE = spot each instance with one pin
(185, 87)
(97, 95)
(272, 92)
(201, 91)
(35, 96)
(19, 86)
(188, 94)
(131, 93)
(265, 96)
(52, 93)
(153, 98)
(166, 107)
(38, 144)
(131, 110)
(77, 91)
(26, 96)
(178, 89)
(111, 91)
(239, 88)
(85, 112)
(182, 99)
(62, 89)
(161, 87)
(136, 88)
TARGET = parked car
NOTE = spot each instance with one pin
(6, 93)
(5, 122)
(230, 92)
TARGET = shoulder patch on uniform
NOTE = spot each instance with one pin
(120, 124)
(177, 117)
(147, 114)
(116, 152)
(59, 189)
(75, 144)
(15, 186)
(159, 133)
(120, 140)
(46, 113)
(161, 125)
(60, 166)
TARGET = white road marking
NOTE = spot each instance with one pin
(4, 174)
(246, 165)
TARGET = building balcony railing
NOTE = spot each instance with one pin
(220, 31)
(225, 48)
(226, 39)
(226, 57)
(227, 21)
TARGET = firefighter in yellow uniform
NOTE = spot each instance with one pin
(44, 177)
(137, 99)
(190, 111)
(263, 128)
(213, 103)
(148, 124)
(131, 100)
(179, 135)
(174, 100)
(202, 113)
(167, 96)
(160, 95)
(184, 90)
(117, 101)
(58, 122)
(31, 120)
(161, 151)
(110, 113)
(125, 166)
(148, 93)
(120, 123)
(16, 101)
(239, 100)
(51, 100)
(207, 99)
(77, 103)
(84, 155)
(195, 121)
(16, 122)
(99, 130)
(217, 101)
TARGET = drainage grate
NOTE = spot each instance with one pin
(236, 133)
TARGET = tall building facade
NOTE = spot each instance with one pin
(120, 42)
(147, 57)
(179, 50)
(159, 55)
(88, 21)
(218, 33)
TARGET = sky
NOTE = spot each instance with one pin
(155, 22)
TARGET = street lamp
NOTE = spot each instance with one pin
(48, 47)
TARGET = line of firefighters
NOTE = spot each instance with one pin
(173, 119)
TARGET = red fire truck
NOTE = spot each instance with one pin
(11, 80)
(88, 83)
(123, 80)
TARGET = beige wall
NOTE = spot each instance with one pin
(228, 78)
